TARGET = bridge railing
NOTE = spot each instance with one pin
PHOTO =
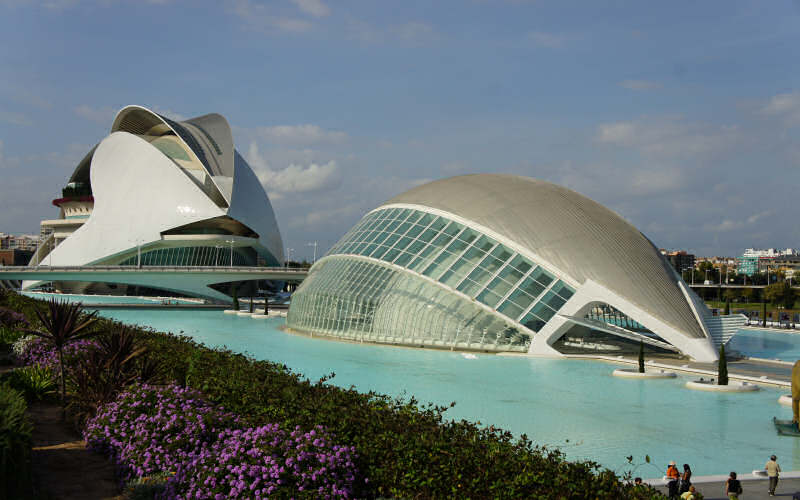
(200, 269)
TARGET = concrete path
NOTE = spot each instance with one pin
(713, 487)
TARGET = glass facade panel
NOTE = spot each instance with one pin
(542, 311)
(542, 276)
(364, 301)
(459, 257)
(553, 300)
(192, 257)
(564, 290)
(533, 322)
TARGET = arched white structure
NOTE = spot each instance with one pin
(503, 263)
(162, 192)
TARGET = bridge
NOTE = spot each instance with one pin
(717, 285)
(188, 280)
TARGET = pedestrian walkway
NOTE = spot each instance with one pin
(713, 487)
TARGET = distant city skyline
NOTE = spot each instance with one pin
(683, 118)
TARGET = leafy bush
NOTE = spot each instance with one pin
(37, 351)
(405, 450)
(265, 462)
(12, 319)
(15, 445)
(11, 328)
(114, 361)
(35, 382)
(152, 431)
(149, 430)
(147, 487)
(63, 323)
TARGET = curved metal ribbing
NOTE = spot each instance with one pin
(572, 233)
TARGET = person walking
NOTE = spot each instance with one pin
(686, 479)
(733, 487)
(773, 471)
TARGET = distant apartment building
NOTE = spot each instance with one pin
(725, 265)
(755, 260)
(15, 257)
(681, 260)
(26, 242)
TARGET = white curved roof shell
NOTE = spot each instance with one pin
(142, 195)
(569, 232)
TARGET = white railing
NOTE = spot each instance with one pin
(198, 269)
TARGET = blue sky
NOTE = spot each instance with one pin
(684, 117)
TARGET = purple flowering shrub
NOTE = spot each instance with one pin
(268, 462)
(12, 319)
(150, 429)
(37, 351)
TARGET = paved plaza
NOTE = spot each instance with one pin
(754, 489)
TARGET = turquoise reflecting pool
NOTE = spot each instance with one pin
(767, 344)
(105, 299)
(574, 405)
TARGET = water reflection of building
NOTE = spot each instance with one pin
(504, 263)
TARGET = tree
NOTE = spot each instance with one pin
(235, 298)
(64, 323)
(764, 314)
(727, 307)
(731, 294)
(747, 293)
(641, 356)
(780, 293)
(722, 371)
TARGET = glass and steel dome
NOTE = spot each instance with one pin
(498, 263)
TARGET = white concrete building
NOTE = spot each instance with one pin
(164, 193)
(504, 263)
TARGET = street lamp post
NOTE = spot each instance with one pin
(231, 242)
(288, 256)
(314, 244)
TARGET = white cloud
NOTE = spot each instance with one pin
(15, 118)
(172, 115)
(263, 18)
(640, 85)
(784, 105)
(315, 8)
(325, 215)
(739, 223)
(616, 133)
(414, 33)
(294, 178)
(667, 136)
(300, 134)
(104, 115)
(547, 40)
(755, 217)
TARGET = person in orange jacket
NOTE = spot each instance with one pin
(672, 479)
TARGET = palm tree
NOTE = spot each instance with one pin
(64, 323)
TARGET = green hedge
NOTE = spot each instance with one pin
(15, 445)
(406, 450)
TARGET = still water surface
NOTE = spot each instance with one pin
(575, 405)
